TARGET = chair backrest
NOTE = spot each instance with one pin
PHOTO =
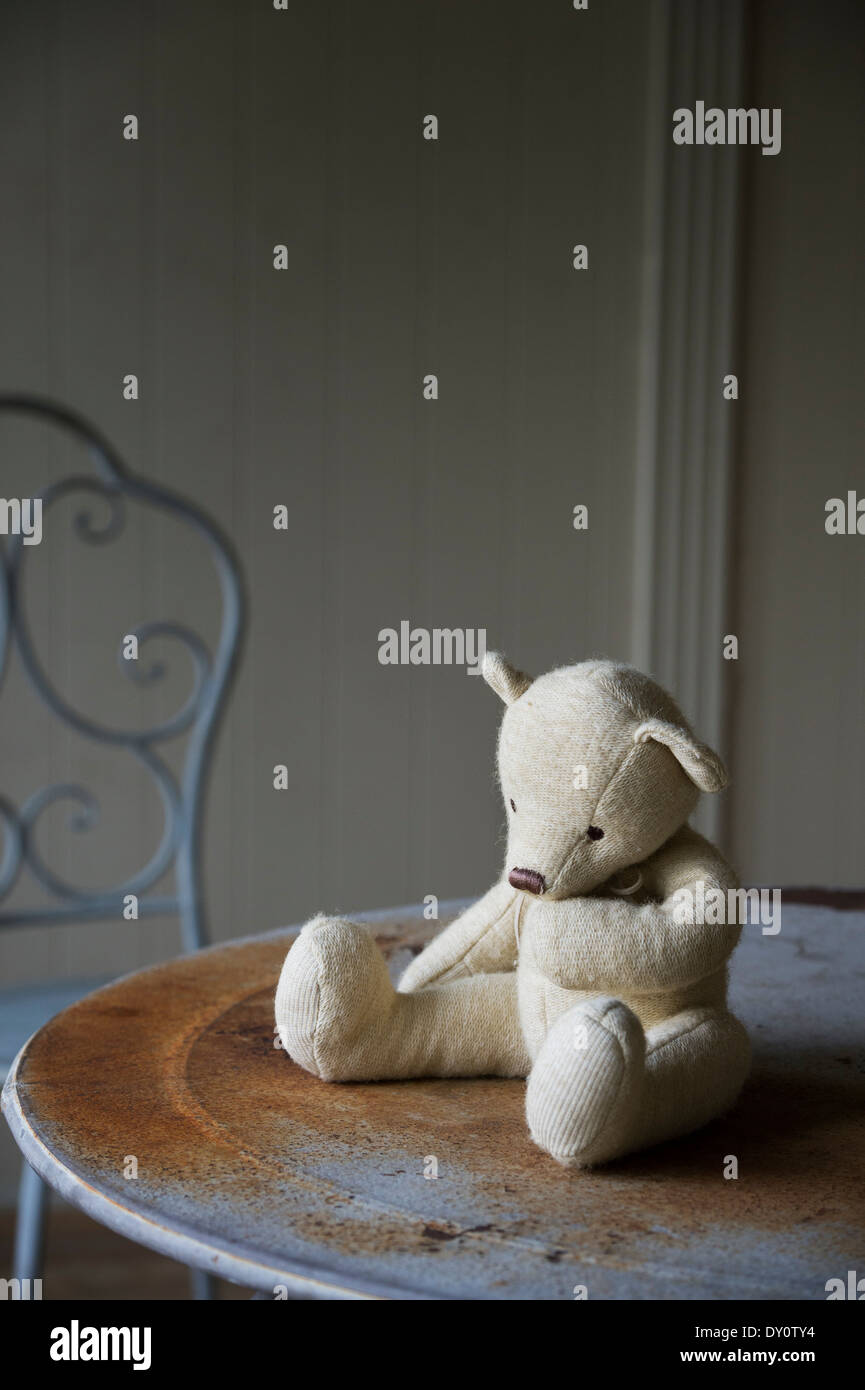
(181, 794)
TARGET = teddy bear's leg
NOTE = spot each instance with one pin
(339, 1016)
(601, 1088)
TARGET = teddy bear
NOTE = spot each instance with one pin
(584, 969)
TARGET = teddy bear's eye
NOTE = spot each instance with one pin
(594, 833)
(513, 807)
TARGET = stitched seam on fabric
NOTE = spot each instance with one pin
(659, 1047)
(518, 913)
(486, 932)
(317, 1007)
(629, 753)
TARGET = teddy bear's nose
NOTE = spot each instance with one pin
(527, 879)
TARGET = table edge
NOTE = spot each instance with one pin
(178, 1242)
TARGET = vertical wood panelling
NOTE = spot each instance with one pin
(303, 387)
(685, 459)
(799, 735)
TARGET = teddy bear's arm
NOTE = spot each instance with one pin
(607, 943)
(481, 941)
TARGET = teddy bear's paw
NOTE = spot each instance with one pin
(333, 987)
(583, 1090)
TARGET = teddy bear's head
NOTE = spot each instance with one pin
(598, 769)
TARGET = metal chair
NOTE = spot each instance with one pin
(24, 1010)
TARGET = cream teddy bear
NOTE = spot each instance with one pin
(583, 968)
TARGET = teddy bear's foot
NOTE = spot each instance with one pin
(584, 1088)
(339, 1017)
(333, 995)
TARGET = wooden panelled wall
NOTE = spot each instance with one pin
(303, 387)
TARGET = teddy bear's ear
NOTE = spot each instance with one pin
(505, 679)
(704, 767)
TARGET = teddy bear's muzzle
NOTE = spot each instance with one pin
(528, 879)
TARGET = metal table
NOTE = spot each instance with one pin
(253, 1170)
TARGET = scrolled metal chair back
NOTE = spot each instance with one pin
(181, 795)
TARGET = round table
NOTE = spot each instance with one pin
(163, 1106)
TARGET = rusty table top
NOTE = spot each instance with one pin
(251, 1168)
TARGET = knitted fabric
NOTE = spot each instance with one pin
(583, 968)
